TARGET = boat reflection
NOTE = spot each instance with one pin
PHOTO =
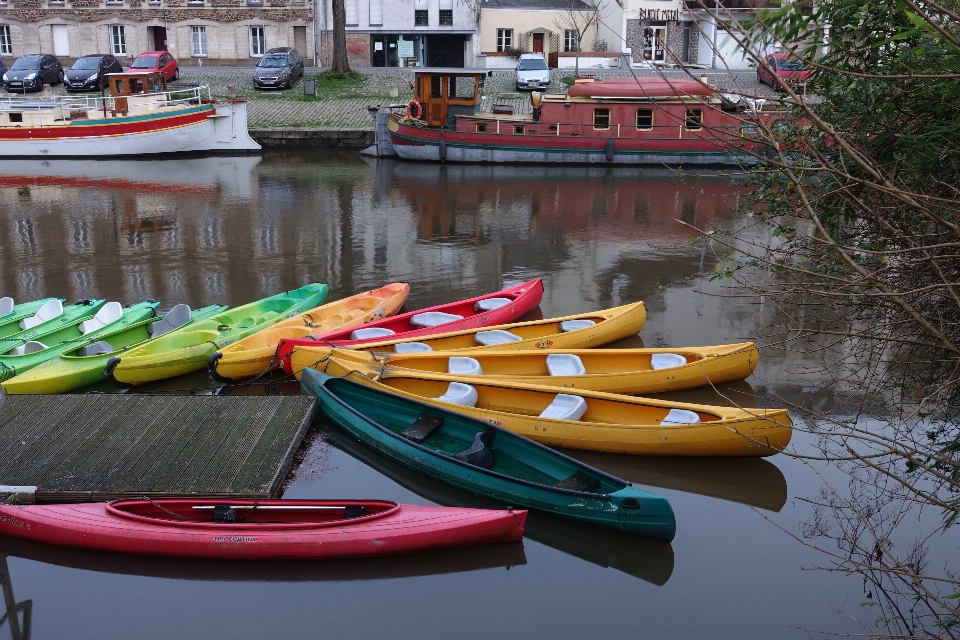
(17, 615)
(650, 561)
(491, 556)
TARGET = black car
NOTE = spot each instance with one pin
(278, 68)
(30, 73)
(87, 73)
(3, 67)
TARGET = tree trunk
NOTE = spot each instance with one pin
(340, 64)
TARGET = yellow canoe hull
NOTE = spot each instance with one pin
(608, 370)
(612, 423)
(611, 325)
(254, 355)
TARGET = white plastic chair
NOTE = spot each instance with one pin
(565, 407)
(179, 315)
(575, 325)
(411, 347)
(464, 366)
(371, 332)
(108, 314)
(666, 360)
(458, 393)
(433, 318)
(497, 336)
(6, 306)
(25, 349)
(489, 304)
(50, 310)
(680, 416)
(565, 364)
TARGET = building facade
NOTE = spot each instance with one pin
(718, 48)
(196, 32)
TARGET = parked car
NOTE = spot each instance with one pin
(156, 62)
(3, 67)
(532, 72)
(87, 73)
(278, 68)
(787, 71)
(32, 72)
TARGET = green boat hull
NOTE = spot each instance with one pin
(70, 338)
(63, 327)
(71, 371)
(524, 473)
(10, 323)
(183, 352)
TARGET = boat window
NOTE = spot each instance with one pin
(481, 128)
(136, 85)
(16, 117)
(461, 87)
(518, 129)
(601, 118)
(694, 120)
(645, 119)
(435, 90)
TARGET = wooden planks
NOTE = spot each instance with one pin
(103, 447)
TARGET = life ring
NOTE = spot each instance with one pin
(414, 105)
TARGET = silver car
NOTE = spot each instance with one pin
(533, 72)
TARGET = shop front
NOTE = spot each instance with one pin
(417, 50)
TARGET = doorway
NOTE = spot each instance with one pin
(159, 38)
(538, 43)
(61, 40)
(445, 50)
(300, 40)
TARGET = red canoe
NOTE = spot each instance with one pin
(500, 307)
(264, 529)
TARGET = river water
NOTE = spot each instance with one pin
(231, 230)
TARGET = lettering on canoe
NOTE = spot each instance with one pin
(234, 539)
(15, 522)
(493, 421)
(544, 344)
(483, 320)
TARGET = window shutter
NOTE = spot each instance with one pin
(420, 5)
(376, 12)
(353, 13)
(446, 5)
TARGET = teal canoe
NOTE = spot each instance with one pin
(50, 345)
(11, 315)
(487, 460)
(73, 314)
(83, 364)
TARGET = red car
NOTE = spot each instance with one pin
(156, 62)
(787, 71)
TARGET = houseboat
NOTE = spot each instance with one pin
(139, 117)
(653, 121)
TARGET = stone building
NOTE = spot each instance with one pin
(196, 32)
(657, 32)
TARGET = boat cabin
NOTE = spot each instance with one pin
(125, 85)
(444, 94)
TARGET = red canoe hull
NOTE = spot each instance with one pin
(406, 529)
(525, 297)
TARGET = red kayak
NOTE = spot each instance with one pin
(501, 307)
(262, 529)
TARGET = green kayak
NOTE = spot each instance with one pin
(187, 351)
(11, 314)
(83, 363)
(110, 317)
(487, 460)
(61, 317)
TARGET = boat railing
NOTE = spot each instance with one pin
(173, 97)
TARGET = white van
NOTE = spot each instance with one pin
(532, 72)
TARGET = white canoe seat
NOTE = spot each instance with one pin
(459, 393)
(680, 416)
(367, 333)
(109, 313)
(667, 360)
(489, 304)
(575, 325)
(565, 407)
(433, 319)
(27, 348)
(565, 364)
(411, 347)
(464, 366)
(95, 349)
(50, 310)
(6, 306)
(179, 315)
(497, 336)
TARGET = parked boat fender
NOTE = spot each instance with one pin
(412, 106)
(443, 148)
(609, 150)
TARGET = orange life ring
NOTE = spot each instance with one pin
(413, 104)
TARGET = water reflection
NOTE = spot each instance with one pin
(17, 615)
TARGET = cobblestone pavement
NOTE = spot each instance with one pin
(291, 108)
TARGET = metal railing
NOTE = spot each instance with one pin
(175, 97)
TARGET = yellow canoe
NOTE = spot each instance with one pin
(588, 420)
(632, 371)
(254, 354)
(580, 331)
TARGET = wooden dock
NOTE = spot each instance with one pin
(94, 447)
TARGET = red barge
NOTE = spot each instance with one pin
(637, 121)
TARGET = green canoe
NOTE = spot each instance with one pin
(10, 321)
(51, 345)
(83, 364)
(73, 314)
(487, 460)
(187, 351)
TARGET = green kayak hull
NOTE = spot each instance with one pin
(11, 366)
(71, 371)
(10, 323)
(63, 327)
(523, 473)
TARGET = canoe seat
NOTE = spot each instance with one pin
(680, 416)
(480, 453)
(497, 336)
(459, 393)
(575, 325)
(565, 364)
(464, 366)
(367, 333)
(6, 306)
(50, 310)
(178, 316)
(433, 318)
(667, 360)
(422, 427)
(565, 407)
(95, 349)
(411, 347)
(579, 482)
(27, 348)
(109, 313)
(489, 304)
